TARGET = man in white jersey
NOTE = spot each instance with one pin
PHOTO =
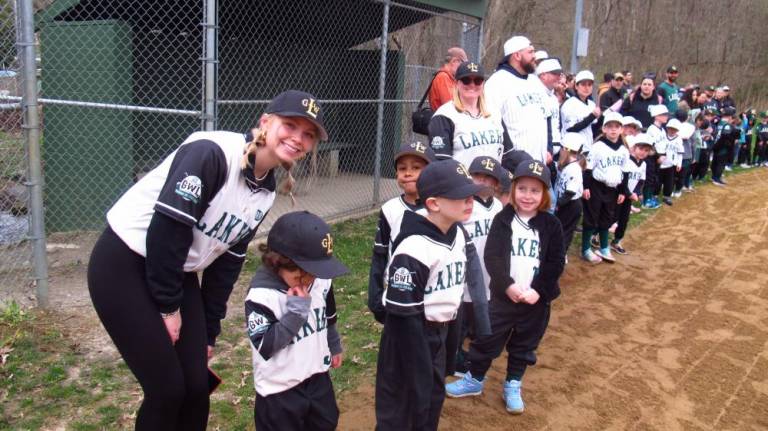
(515, 94)
(549, 72)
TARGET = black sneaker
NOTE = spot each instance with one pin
(616, 246)
(668, 201)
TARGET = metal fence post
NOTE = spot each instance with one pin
(31, 126)
(576, 27)
(380, 113)
(210, 64)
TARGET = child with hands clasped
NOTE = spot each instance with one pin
(425, 284)
(605, 187)
(639, 147)
(410, 160)
(670, 152)
(291, 322)
(524, 256)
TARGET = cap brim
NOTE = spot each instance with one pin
(325, 268)
(547, 182)
(463, 192)
(320, 128)
(412, 153)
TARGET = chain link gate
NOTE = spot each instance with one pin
(123, 82)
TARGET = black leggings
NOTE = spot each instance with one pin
(174, 378)
(667, 177)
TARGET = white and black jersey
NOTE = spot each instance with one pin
(656, 134)
(553, 109)
(672, 149)
(521, 101)
(606, 162)
(570, 181)
(524, 258)
(636, 170)
(463, 136)
(577, 116)
(201, 185)
(477, 227)
(388, 229)
(288, 348)
(427, 271)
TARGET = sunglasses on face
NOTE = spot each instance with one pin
(476, 80)
(619, 79)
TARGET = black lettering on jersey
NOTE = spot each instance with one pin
(610, 161)
(215, 229)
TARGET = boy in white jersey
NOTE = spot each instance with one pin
(669, 149)
(639, 148)
(409, 162)
(655, 134)
(425, 284)
(525, 257)
(570, 185)
(291, 322)
(486, 172)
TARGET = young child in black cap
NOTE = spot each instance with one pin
(425, 284)
(291, 322)
(524, 256)
(487, 172)
(410, 160)
(505, 185)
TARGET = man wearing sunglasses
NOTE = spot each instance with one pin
(517, 96)
(443, 83)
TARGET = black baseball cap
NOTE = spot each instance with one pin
(295, 103)
(672, 68)
(512, 159)
(728, 110)
(416, 149)
(487, 166)
(447, 179)
(505, 183)
(469, 68)
(306, 239)
(710, 88)
(534, 169)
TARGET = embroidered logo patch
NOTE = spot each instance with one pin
(257, 324)
(401, 280)
(190, 188)
(437, 143)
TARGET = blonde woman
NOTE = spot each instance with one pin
(195, 212)
(463, 129)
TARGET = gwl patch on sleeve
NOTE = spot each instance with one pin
(258, 324)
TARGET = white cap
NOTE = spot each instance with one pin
(541, 54)
(686, 130)
(640, 138)
(612, 116)
(572, 141)
(628, 120)
(674, 124)
(515, 44)
(638, 124)
(657, 110)
(726, 88)
(549, 65)
(583, 76)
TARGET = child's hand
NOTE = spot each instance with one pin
(620, 199)
(662, 159)
(679, 168)
(585, 194)
(336, 360)
(531, 296)
(298, 291)
(210, 352)
(515, 293)
(634, 197)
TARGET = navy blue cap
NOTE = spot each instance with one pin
(306, 239)
(446, 179)
(505, 184)
(416, 149)
(486, 165)
(534, 169)
(469, 68)
(295, 103)
(512, 159)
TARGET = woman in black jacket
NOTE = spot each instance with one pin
(637, 103)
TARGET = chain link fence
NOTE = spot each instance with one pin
(123, 82)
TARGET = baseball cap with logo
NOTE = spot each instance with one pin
(505, 183)
(295, 103)
(416, 149)
(469, 68)
(549, 65)
(515, 44)
(513, 158)
(306, 239)
(584, 75)
(486, 165)
(533, 169)
(672, 69)
(447, 179)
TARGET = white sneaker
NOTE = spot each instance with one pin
(606, 255)
(745, 166)
(728, 168)
(591, 257)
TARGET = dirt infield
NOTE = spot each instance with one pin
(673, 336)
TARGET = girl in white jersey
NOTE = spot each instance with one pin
(570, 185)
(524, 256)
(291, 315)
(194, 213)
(463, 128)
(579, 113)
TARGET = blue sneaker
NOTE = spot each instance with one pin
(466, 386)
(512, 397)
(655, 203)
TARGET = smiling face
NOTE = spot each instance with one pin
(527, 194)
(470, 87)
(288, 139)
(408, 170)
(584, 88)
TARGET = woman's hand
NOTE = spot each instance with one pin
(173, 326)
(336, 360)
(585, 194)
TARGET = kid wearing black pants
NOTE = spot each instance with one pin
(670, 151)
(639, 147)
(726, 140)
(569, 186)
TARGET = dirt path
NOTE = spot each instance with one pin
(673, 336)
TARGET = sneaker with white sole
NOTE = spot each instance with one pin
(616, 246)
(466, 386)
(606, 255)
(591, 257)
(635, 210)
(512, 397)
